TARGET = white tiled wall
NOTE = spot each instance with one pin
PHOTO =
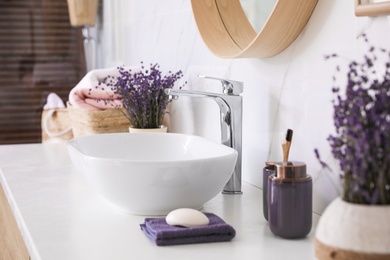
(290, 90)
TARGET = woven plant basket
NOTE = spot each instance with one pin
(82, 12)
(88, 122)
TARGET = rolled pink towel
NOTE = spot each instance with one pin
(92, 94)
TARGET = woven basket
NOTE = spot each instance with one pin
(56, 125)
(88, 122)
(82, 12)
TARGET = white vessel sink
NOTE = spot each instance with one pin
(153, 173)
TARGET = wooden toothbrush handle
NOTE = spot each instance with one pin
(286, 151)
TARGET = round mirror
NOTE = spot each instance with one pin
(228, 33)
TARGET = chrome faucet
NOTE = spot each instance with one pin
(230, 106)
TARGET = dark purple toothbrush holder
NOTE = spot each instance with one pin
(268, 170)
(289, 199)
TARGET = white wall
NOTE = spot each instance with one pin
(290, 90)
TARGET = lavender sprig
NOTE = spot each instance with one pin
(142, 93)
(362, 121)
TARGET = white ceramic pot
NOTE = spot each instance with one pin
(161, 129)
(353, 231)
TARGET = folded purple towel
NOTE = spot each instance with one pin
(163, 234)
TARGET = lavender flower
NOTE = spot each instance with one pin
(142, 94)
(362, 121)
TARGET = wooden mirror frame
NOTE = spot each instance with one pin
(371, 9)
(227, 32)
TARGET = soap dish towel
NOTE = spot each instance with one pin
(164, 234)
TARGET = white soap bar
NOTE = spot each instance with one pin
(186, 218)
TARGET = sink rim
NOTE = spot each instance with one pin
(72, 144)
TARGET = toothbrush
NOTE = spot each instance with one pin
(287, 144)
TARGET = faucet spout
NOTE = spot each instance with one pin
(230, 106)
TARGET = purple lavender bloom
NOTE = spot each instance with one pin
(362, 121)
(142, 94)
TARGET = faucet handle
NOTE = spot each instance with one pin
(229, 87)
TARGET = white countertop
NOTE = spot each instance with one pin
(60, 217)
